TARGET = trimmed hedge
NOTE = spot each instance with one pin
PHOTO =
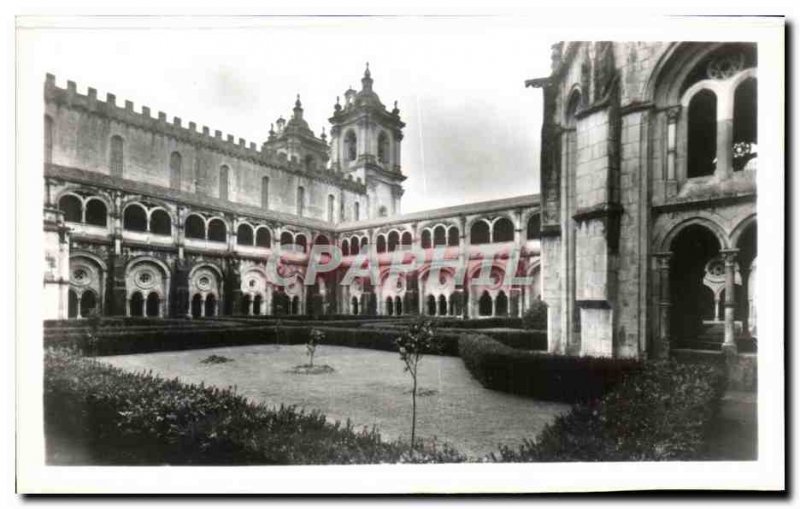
(121, 418)
(122, 341)
(540, 375)
(662, 412)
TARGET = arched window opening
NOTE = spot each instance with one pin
(247, 302)
(322, 240)
(485, 304)
(223, 182)
(287, 239)
(354, 246)
(153, 305)
(398, 306)
(389, 306)
(88, 303)
(479, 233)
(265, 192)
(301, 200)
(295, 305)
(452, 236)
(96, 213)
(195, 227)
(452, 305)
(350, 145)
(702, 135)
(331, 207)
(354, 305)
(257, 305)
(116, 158)
(394, 241)
(134, 218)
(381, 244)
(534, 227)
(503, 230)
(72, 304)
(244, 235)
(356, 212)
(745, 125)
(72, 208)
(211, 305)
(406, 240)
(345, 247)
(442, 305)
(439, 236)
(160, 223)
(309, 162)
(263, 237)
(431, 305)
(137, 304)
(197, 306)
(217, 231)
(175, 161)
(363, 243)
(301, 243)
(48, 139)
(426, 239)
(501, 304)
(383, 148)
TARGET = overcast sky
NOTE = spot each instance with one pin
(472, 128)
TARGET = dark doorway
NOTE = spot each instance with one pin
(137, 304)
(211, 305)
(153, 304)
(197, 306)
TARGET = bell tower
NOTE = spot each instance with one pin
(365, 142)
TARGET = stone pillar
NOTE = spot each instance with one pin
(729, 255)
(662, 347)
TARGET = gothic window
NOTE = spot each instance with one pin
(265, 192)
(96, 213)
(217, 231)
(301, 200)
(534, 227)
(72, 208)
(745, 125)
(160, 223)
(452, 236)
(263, 237)
(116, 158)
(702, 134)
(479, 233)
(503, 230)
(244, 235)
(48, 139)
(175, 161)
(195, 227)
(135, 218)
(439, 236)
(350, 145)
(331, 207)
(223, 182)
(383, 148)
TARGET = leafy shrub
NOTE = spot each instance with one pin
(540, 375)
(125, 418)
(535, 317)
(661, 412)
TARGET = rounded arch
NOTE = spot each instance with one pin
(534, 226)
(480, 232)
(322, 240)
(96, 211)
(287, 239)
(380, 244)
(427, 239)
(502, 230)
(393, 240)
(571, 106)
(134, 217)
(364, 243)
(217, 230)
(453, 236)
(195, 227)
(406, 239)
(741, 227)
(244, 235)
(301, 242)
(148, 259)
(160, 222)
(354, 245)
(439, 235)
(72, 206)
(345, 247)
(263, 236)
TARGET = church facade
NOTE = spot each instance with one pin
(150, 217)
(648, 195)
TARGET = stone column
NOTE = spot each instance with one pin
(664, 305)
(729, 255)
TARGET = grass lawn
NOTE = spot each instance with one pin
(369, 387)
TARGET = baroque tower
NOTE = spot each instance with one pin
(365, 142)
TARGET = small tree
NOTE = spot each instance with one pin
(311, 344)
(419, 339)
